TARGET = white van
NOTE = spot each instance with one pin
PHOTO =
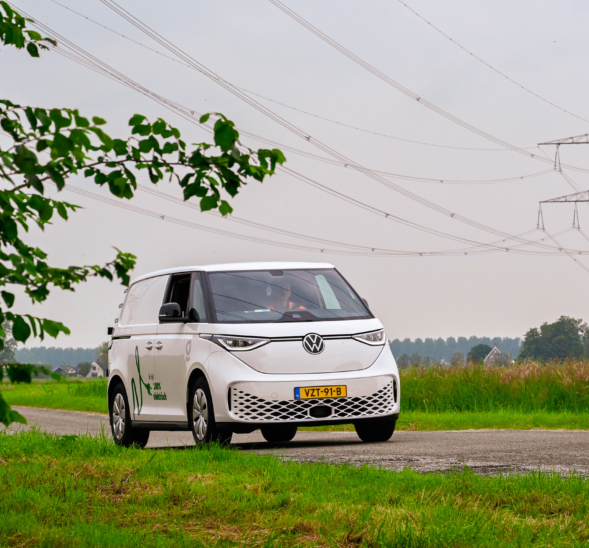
(226, 349)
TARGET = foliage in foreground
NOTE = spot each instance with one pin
(97, 494)
(45, 147)
(525, 387)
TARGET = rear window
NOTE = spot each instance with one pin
(284, 296)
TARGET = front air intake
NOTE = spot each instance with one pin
(320, 411)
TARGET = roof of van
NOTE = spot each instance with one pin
(233, 266)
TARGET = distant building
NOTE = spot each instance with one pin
(495, 357)
(95, 371)
(65, 370)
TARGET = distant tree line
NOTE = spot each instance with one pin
(57, 356)
(429, 351)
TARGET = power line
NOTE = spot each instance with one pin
(388, 80)
(87, 61)
(233, 218)
(434, 180)
(278, 102)
(294, 129)
(490, 66)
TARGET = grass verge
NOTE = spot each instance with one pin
(69, 394)
(68, 491)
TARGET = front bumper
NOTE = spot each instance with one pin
(245, 405)
(250, 397)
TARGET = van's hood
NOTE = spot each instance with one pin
(289, 356)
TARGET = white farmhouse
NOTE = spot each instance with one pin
(95, 371)
(495, 357)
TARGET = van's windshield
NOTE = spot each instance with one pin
(284, 296)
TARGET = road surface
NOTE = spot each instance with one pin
(486, 452)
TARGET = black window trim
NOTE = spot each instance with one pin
(211, 303)
(193, 274)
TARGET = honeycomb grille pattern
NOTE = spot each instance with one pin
(251, 408)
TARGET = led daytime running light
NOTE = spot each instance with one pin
(239, 344)
(375, 338)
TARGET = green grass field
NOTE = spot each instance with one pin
(527, 396)
(82, 492)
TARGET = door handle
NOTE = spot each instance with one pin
(149, 345)
(158, 345)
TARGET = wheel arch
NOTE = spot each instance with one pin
(195, 374)
(113, 382)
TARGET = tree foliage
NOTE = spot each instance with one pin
(83, 368)
(478, 353)
(48, 146)
(565, 338)
(103, 354)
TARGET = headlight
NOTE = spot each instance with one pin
(374, 339)
(239, 344)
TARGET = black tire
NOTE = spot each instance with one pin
(377, 430)
(123, 433)
(201, 416)
(279, 433)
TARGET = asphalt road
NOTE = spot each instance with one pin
(486, 452)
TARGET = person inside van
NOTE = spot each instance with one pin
(282, 298)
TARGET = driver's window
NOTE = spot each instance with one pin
(197, 311)
(179, 292)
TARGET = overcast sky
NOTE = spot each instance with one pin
(540, 44)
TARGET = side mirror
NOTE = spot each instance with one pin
(170, 312)
(365, 303)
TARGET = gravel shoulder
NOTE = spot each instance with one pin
(486, 452)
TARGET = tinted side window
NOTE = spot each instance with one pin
(143, 302)
(179, 291)
(197, 309)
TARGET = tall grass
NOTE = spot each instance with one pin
(95, 389)
(527, 387)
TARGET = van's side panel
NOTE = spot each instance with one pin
(139, 319)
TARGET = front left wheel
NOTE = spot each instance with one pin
(201, 414)
(123, 433)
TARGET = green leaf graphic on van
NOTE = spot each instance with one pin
(138, 400)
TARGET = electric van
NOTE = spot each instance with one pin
(233, 348)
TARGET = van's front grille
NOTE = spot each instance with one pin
(251, 408)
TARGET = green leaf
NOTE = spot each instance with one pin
(225, 208)
(8, 298)
(98, 121)
(61, 209)
(207, 203)
(54, 328)
(20, 329)
(8, 416)
(32, 49)
(106, 140)
(204, 118)
(225, 135)
(46, 212)
(136, 120)
(34, 35)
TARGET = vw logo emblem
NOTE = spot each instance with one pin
(313, 343)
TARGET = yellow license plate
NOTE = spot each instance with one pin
(314, 392)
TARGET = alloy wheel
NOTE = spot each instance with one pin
(200, 414)
(118, 416)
